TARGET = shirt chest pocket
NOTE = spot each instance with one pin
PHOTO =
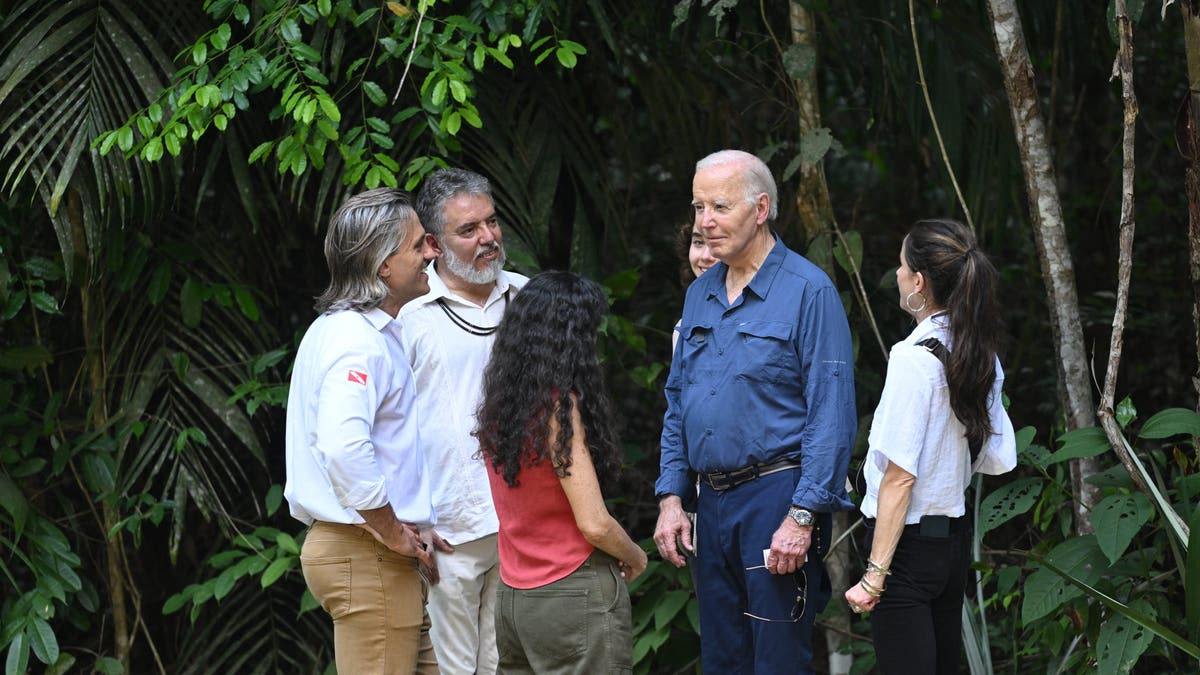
(697, 353)
(765, 351)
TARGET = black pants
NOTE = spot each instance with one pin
(917, 624)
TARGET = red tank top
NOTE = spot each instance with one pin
(539, 541)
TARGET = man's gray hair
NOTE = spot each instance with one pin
(367, 229)
(440, 187)
(756, 174)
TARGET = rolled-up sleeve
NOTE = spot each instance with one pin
(346, 409)
(827, 357)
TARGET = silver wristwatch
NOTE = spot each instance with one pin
(803, 517)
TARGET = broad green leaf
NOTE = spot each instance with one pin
(670, 605)
(274, 498)
(374, 92)
(17, 661)
(43, 268)
(107, 665)
(42, 640)
(176, 602)
(1171, 422)
(44, 302)
(1086, 442)
(853, 246)
(191, 301)
(308, 602)
(814, 144)
(438, 96)
(566, 57)
(225, 582)
(160, 283)
(799, 60)
(1117, 519)
(246, 303)
(1122, 641)
(13, 501)
(1191, 648)
(1126, 412)
(62, 665)
(287, 543)
(1079, 557)
(276, 570)
(622, 284)
(1008, 502)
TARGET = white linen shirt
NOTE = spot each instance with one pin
(448, 363)
(352, 438)
(915, 428)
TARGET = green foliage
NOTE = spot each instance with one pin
(329, 100)
(666, 617)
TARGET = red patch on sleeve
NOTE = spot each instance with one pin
(357, 377)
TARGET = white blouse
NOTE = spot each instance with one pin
(915, 428)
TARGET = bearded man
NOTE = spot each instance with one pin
(447, 336)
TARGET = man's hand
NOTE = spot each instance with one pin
(433, 542)
(789, 547)
(397, 536)
(673, 529)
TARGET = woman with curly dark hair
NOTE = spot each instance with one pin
(545, 431)
(940, 420)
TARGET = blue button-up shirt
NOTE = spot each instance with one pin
(768, 377)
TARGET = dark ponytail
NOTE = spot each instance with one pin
(963, 282)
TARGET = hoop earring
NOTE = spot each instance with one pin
(908, 302)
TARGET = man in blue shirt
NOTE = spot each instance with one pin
(760, 406)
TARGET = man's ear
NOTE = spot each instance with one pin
(433, 243)
(762, 208)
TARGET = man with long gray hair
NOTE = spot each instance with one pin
(447, 336)
(356, 472)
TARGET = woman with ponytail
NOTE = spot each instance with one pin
(545, 431)
(940, 420)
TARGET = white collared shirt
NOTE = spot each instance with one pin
(448, 363)
(915, 428)
(352, 439)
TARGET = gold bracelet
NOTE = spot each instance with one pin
(871, 589)
(873, 566)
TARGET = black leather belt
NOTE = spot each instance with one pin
(723, 480)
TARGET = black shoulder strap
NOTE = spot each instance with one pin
(934, 346)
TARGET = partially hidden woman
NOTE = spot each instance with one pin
(545, 431)
(695, 259)
(940, 420)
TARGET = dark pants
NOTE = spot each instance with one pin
(917, 626)
(733, 528)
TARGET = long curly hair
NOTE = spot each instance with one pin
(545, 351)
(962, 280)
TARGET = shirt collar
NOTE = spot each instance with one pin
(760, 284)
(378, 318)
(438, 289)
(933, 325)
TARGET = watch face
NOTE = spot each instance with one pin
(801, 516)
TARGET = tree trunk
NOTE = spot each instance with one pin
(1050, 237)
(817, 221)
(812, 195)
(1108, 420)
(1188, 140)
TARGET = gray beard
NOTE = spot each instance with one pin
(466, 270)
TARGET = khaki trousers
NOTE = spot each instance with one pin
(376, 598)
